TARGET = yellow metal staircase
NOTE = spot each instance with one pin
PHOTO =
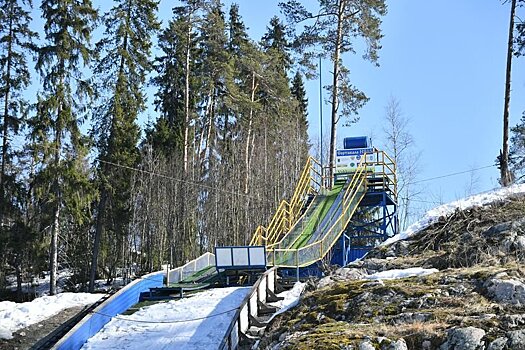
(310, 183)
(375, 172)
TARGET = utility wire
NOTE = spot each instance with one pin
(421, 201)
(149, 172)
(170, 321)
(452, 174)
(191, 183)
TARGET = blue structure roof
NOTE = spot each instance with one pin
(356, 142)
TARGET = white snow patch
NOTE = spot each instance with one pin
(39, 285)
(197, 322)
(401, 273)
(102, 286)
(15, 316)
(291, 299)
(433, 215)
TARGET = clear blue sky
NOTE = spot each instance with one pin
(444, 60)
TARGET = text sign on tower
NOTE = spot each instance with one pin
(245, 257)
(348, 159)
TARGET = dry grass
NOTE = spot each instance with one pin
(347, 312)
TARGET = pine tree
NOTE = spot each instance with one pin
(189, 15)
(510, 162)
(333, 30)
(166, 135)
(122, 71)
(280, 106)
(59, 146)
(276, 43)
(505, 174)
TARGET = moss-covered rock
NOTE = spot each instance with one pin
(471, 248)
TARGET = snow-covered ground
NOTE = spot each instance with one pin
(291, 298)
(401, 273)
(197, 322)
(39, 286)
(433, 215)
(15, 316)
(201, 321)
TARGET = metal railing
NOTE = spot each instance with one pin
(178, 274)
(384, 167)
(287, 213)
(305, 222)
(248, 309)
(375, 171)
(315, 251)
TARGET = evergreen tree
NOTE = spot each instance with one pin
(172, 137)
(189, 14)
(59, 147)
(121, 72)
(166, 135)
(276, 43)
(333, 30)
(505, 174)
(238, 37)
(214, 71)
(517, 150)
(16, 44)
(299, 93)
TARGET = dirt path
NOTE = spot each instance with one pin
(25, 338)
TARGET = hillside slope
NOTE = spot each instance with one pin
(476, 299)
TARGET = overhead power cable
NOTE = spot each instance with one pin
(452, 174)
(191, 183)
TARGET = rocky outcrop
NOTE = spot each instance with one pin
(342, 274)
(469, 338)
(503, 289)
(475, 301)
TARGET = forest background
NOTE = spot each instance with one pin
(146, 133)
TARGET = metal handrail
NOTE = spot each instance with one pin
(233, 333)
(380, 165)
(287, 213)
(354, 193)
(357, 181)
(324, 244)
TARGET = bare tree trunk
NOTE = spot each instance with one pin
(6, 116)
(18, 272)
(53, 251)
(506, 177)
(98, 234)
(249, 133)
(210, 116)
(335, 92)
(187, 99)
(55, 229)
